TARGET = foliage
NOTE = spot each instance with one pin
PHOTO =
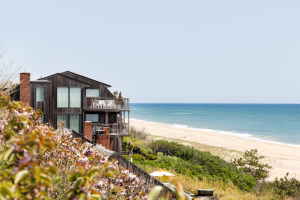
(251, 164)
(140, 134)
(151, 156)
(135, 157)
(115, 93)
(201, 164)
(38, 162)
(285, 186)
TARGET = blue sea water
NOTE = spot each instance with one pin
(276, 123)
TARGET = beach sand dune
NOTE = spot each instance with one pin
(284, 158)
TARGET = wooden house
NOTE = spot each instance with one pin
(86, 106)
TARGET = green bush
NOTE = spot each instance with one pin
(251, 164)
(151, 156)
(285, 186)
(135, 157)
(199, 164)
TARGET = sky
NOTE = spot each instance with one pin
(166, 51)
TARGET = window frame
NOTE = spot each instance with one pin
(92, 89)
(57, 97)
(93, 114)
(36, 93)
(70, 98)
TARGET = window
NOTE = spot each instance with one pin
(42, 119)
(92, 93)
(75, 97)
(40, 93)
(75, 123)
(63, 117)
(62, 97)
(92, 117)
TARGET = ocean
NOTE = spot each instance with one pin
(275, 123)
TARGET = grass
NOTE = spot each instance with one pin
(224, 191)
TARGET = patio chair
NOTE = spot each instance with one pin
(103, 103)
(99, 103)
(110, 103)
(93, 104)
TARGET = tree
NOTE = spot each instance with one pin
(9, 73)
(115, 93)
(251, 164)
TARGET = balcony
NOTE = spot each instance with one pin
(106, 103)
(115, 129)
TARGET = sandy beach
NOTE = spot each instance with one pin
(284, 158)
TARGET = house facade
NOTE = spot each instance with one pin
(85, 106)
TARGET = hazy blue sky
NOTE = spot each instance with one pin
(163, 51)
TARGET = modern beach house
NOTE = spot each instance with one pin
(86, 106)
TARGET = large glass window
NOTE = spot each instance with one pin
(92, 93)
(62, 97)
(75, 123)
(92, 117)
(40, 94)
(75, 97)
(64, 118)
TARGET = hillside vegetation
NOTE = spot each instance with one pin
(199, 169)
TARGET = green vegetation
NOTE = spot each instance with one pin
(200, 169)
(251, 164)
(203, 164)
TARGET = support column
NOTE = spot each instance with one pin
(106, 117)
(120, 122)
(128, 121)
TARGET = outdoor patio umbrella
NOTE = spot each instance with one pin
(161, 173)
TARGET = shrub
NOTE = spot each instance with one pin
(151, 156)
(38, 162)
(285, 186)
(135, 157)
(199, 163)
(140, 134)
(251, 164)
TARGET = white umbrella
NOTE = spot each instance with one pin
(161, 173)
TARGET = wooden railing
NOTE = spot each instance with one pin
(116, 128)
(105, 103)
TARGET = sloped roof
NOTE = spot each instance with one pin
(66, 73)
(60, 74)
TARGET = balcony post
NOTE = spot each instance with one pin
(120, 122)
(106, 117)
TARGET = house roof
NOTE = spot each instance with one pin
(60, 74)
(66, 73)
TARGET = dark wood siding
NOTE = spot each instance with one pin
(62, 81)
(70, 80)
(43, 106)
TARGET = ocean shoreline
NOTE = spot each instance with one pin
(229, 133)
(285, 157)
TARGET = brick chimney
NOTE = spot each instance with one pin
(25, 88)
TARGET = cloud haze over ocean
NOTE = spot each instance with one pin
(163, 51)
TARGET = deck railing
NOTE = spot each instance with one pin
(116, 128)
(105, 103)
